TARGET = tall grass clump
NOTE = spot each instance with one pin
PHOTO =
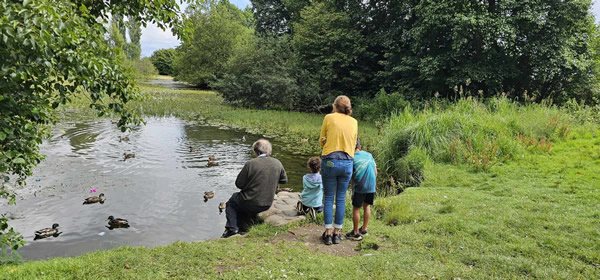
(468, 132)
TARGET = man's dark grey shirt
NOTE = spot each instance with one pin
(258, 180)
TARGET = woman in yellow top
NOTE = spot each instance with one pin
(338, 139)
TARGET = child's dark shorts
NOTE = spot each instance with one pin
(358, 199)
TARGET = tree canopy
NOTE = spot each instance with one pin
(417, 48)
(218, 28)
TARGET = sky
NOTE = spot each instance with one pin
(154, 38)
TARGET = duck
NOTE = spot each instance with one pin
(193, 150)
(47, 232)
(211, 158)
(208, 195)
(123, 138)
(212, 163)
(222, 207)
(127, 156)
(117, 223)
(243, 138)
(94, 199)
(284, 189)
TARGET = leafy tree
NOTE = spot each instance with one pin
(116, 41)
(163, 61)
(328, 47)
(218, 27)
(516, 47)
(271, 16)
(134, 48)
(117, 21)
(261, 74)
(49, 52)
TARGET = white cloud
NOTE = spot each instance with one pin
(154, 38)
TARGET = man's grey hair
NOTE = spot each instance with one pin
(262, 146)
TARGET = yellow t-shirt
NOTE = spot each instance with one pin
(341, 132)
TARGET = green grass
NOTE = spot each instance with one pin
(472, 133)
(535, 216)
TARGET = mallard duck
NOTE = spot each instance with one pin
(117, 223)
(126, 156)
(47, 232)
(222, 207)
(94, 199)
(208, 195)
(123, 138)
(212, 163)
(284, 190)
(211, 158)
(243, 139)
(193, 150)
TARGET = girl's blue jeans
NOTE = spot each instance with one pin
(336, 174)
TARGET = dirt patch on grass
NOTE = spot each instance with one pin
(310, 235)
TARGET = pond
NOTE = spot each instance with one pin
(159, 191)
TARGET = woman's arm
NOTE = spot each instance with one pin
(323, 136)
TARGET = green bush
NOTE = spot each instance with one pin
(260, 74)
(163, 61)
(468, 132)
(143, 68)
(380, 107)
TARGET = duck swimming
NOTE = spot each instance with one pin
(208, 195)
(211, 158)
(193, 150)
(126, 156)
(47, 232)
(117, 223)
(94, 199)
(222, 207)
(212, 163)
(123, 138)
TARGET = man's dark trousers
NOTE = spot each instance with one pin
(238, 211)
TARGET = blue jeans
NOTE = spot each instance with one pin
(336, 174)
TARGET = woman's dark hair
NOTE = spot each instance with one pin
(342, 105)
(314, 164)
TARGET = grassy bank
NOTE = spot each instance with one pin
(533, 218)
(208, 108)
(533, 215)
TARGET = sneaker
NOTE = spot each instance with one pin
(229, 233)
(352, 236)
(337, 238)
(312, 213)
(326, 239)
(361, 231)
(299, 209)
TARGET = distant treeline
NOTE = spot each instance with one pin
(300, 54)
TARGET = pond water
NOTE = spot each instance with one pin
(159, 191)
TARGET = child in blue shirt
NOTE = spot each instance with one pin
(312, 190)
(364, 173)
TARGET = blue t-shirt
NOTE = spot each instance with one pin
(364, 172)
(312, 190)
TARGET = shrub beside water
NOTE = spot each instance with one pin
(469, 132)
